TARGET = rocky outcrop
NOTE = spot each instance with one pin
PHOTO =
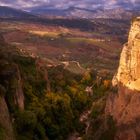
(129, 69)
(13, 83)
(124, 105)
(5, 122)
(19, 95)
(11, 92)
(41, 66)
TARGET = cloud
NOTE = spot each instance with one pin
(77, 3)
(63, 3)
(55, 3)
(23, 3)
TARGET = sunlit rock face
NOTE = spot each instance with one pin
(124, 105)
(129, 69)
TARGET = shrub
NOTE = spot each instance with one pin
(109, 134)
(2, 133)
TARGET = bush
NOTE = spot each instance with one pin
(58, 119)
(109, 134)
(2, 134)
(25, 124)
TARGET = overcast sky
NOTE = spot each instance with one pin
(56, 3)
(61, 3)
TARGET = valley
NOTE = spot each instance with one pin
(57, 66)
(62, 40)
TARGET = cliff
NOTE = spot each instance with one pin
(6, 128)
(129, 68)
(124, 105)
(23, 82)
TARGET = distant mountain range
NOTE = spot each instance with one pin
(91, 4)
(7, 12)
(117, 12)
(121, 11)
(90, 8)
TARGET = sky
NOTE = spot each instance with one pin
(62, 3)
(56, 3)
(23, 3)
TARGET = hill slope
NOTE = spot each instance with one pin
(7, 12)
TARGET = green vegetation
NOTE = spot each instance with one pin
(98, 108)
(52, 113)
(47, 114)
(2, 134)
(109, 134)
(101, 128)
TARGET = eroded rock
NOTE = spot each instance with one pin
(124, 105)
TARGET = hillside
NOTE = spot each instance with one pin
(7, 12)
(33, 95)
(56, 75)
(116, 116)
(47, 69)
(67, 40)
(91, 10)
(77, 12)
(115, 9)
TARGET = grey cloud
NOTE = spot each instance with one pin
(63, 3)
(22, 3)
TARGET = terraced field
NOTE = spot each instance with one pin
(94, 49)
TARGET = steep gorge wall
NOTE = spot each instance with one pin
(11, 91)
(129, 69)
(124, 105)
(5, 122)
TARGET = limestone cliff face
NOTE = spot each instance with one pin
(5, 121)
(129, 68)
(124, 106)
